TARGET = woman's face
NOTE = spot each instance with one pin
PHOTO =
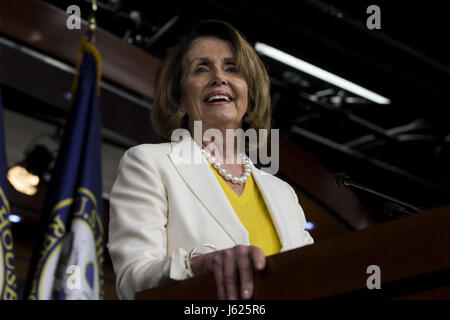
(212, 90)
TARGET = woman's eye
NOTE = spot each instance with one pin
(232, 69)
(200, 70)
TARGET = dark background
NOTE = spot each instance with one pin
(407, 60)
(401, 149)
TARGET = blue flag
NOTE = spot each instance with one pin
(8, 286)
(67, 263)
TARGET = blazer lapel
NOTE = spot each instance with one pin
(195, 171)
(275, 207)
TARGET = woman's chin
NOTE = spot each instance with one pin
(223, 119)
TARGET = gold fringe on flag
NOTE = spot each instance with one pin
(86, 46)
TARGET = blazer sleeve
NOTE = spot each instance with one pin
(137, 228)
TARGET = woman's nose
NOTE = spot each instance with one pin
(219, 82)
(218, 79)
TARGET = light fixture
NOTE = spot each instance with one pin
(26, 175)
(23, 181)
(14, 218)
(309, 226)
(319, 73)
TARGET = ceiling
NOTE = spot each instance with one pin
(402, 148)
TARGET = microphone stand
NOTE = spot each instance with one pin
(344, 179)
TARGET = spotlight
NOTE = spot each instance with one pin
(14, 218)
(26, 175)
(309, 226)
(319, 73)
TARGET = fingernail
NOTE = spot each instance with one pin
(259, 265)
(246, 294)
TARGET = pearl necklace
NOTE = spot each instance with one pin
(236, 180)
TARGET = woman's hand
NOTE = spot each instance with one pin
(232, 268)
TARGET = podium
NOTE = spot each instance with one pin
(412, 253)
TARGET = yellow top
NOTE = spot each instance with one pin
(254, 215)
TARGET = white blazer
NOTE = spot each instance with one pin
(162, 206)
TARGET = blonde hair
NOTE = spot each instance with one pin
(166, 114)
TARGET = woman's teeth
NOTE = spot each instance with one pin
(218, 98)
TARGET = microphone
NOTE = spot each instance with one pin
(342, 179)
(394, 208)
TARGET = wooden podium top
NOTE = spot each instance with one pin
(413, 254)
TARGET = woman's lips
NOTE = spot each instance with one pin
(217, 103)
(218, 97)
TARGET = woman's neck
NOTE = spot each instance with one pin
(222, 144)
(225, 152)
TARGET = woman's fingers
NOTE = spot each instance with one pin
(233, 270)
(217, 270)
(253, 258)
(230, 279)
(211, 262)
(258, 257)
(245, 270)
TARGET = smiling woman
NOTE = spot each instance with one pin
(239, 58)
(172, 218)
(213, 91)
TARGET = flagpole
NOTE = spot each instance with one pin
(92, 23)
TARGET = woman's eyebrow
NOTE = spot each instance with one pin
(230, 60)
(208, 60)
(200, 59)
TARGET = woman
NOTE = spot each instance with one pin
(172, 218)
